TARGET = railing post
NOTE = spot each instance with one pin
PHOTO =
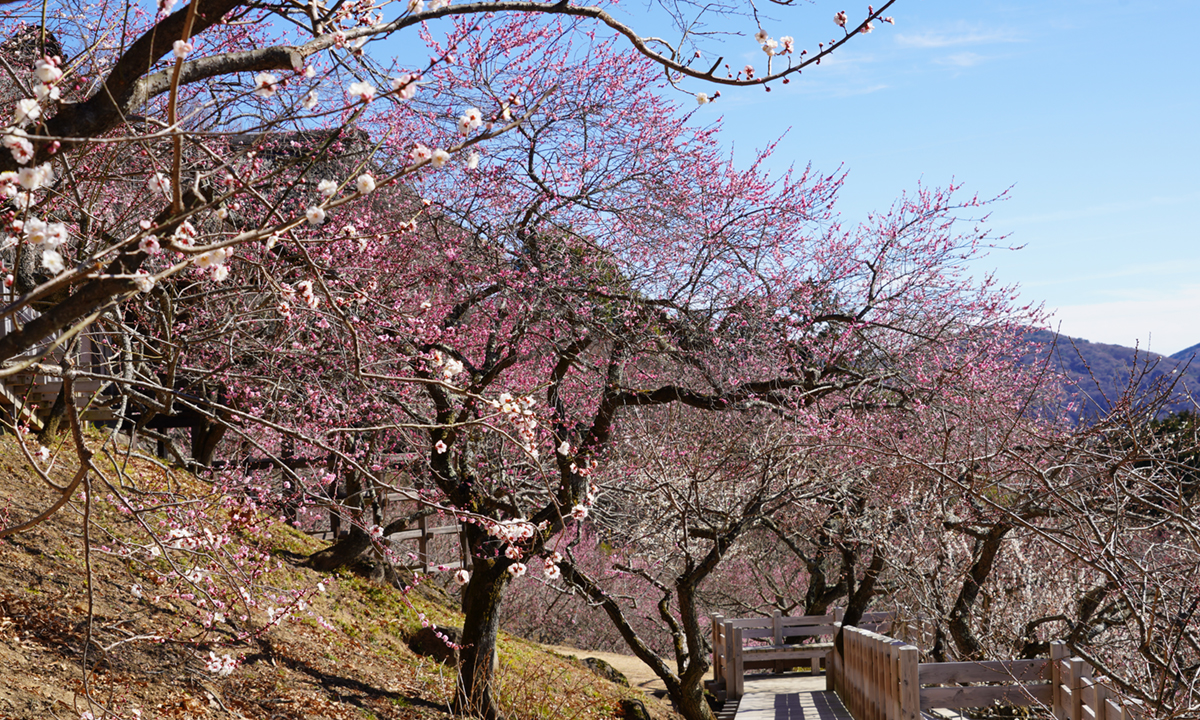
(1100, 700)
(777, 638)
(910, 683)
(1076, 674)
(423, 544)
(730, 661)
(739, 667)
(1058, 653)
(717, 647)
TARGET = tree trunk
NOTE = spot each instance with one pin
(477, 659)
(861, 597)
(345, 551)
(986, 549)
(342, 553)
(57, 412)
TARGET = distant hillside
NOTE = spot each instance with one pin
(1099, 373)
(1187, 353)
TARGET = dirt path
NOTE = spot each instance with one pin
(637, 672)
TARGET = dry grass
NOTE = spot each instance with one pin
(342, 653)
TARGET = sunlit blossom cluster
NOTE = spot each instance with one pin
(783, 46)
(46, 73)
(305, 288)
(222, 665)
(520, 414)
(470, 121)
(448, 366)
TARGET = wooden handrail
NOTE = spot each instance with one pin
(880, 678)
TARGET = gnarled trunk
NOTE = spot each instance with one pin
(477, 660)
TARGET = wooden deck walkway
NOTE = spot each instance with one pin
(790, 696)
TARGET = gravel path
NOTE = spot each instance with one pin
(639, 674)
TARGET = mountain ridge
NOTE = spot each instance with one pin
(1098, 374)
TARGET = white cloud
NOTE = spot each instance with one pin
(1164, 323)
(963, 59)
(933, 39)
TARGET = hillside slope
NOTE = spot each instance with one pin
(343, 652)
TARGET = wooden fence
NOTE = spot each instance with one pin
(777, 642)
(882, 678)
(424, 532)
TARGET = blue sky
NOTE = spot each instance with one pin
(1089, 111)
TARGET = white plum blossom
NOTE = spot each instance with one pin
(365, 184)
(788, 43)
(160, 184)
(472, 160)
(512, 552)
(26, 111)
(702, 98)
(516, 569)
(328, 188)
(439, 158)
(307, 295)
(761, 36)
(38, 232)
(19, 145)
(471, 120)
(310, 100)
(46, 92)
(440, 447)
(314, 215)
(438, 4)
(150, 245)
(182, 48)
(53, 261)
(770, 47)
(265, 85)
(222, 665)
(186, 234)
(462, 577)
(363, 90)
(35, 177)
(143, 281)
(376, 532)
(840, 19)
(416, 6)
(867, 28)
(419, 154)
(405, 86)
(46, 70)
(551, 570)
(579, 512)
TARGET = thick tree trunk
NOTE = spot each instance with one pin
(346, 550)
(860, 598)
(58, 411)
(342, 553)
(477, 659)
(986, 549)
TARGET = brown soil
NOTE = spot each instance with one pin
(147, 654)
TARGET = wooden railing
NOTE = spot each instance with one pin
(881, 678)
(422, 534)
(777, 642)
